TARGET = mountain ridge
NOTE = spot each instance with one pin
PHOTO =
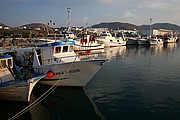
(126, 26)
(112, 25)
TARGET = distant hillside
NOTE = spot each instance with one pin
(168, 26)
(111, 25)
(1, 24)
(115, 25)
(36, 25)
(127, 26)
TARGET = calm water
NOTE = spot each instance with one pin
(138, 83)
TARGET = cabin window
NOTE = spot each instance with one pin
(38, 52)
(3, 63)
(9, 63)
(58, 50)
(71, 48)
(65, 48)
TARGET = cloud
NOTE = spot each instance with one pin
(128, 14)
(158, 4)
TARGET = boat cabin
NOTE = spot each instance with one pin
(6, 65)
(47, 54)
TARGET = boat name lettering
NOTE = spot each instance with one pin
(69, 71)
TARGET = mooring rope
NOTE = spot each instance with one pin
(43, 96)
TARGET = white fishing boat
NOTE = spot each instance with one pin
(155, 41)
(61, 64)
(109, 41)
(16, 84)
(87, 42)
(132, 38)
(170, 38)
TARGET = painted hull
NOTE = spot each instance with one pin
(143, 42)
(93, 45)
(111, 43)
(19, 91)
(155, 41)
(132, 41)
(170, 40)
(76, 74)
(78, 47)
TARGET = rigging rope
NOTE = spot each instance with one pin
(43, 96)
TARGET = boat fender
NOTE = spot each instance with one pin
(50, 74)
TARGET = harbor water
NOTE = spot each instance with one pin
(137, 83)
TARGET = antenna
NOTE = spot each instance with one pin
(150, 27)
(69, 19)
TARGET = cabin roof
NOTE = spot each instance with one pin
(3, 50)
(57, 43)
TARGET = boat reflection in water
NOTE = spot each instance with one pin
(113, 52)
(65, 103)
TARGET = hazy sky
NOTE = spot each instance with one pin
(138, 12)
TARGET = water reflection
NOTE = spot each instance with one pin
(113, 52)
(65, 103)
(145, 85)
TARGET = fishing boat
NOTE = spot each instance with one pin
(108, 40)
(132, 38)
(16, 84)
(170, 38)
(86, 42)
(61, 64)
(155, 41)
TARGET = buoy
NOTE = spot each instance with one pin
(50, 74)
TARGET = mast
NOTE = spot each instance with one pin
(69, 19)
(150, 27)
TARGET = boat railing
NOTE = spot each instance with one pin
(56, 59)
(93, 56)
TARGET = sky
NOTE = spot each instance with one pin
(88, 12)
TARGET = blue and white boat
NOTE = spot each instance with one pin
(61, 64)
(16, 84)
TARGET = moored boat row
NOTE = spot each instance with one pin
(57, 63)
(53, 63)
